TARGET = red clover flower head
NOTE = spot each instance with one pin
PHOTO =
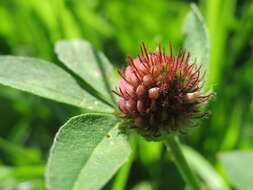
(161, 93)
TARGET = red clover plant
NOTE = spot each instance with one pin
(160, 95)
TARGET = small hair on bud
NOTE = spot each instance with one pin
(153, 93)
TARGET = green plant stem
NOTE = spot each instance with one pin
(173, 145)
(122, 176)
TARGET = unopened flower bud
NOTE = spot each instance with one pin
(141, 91)
(140, 106)
(153, 93)
(191, 97)
(148, 80)
(156, 70)
(134, 80)
(140, 66)
(122, 106)
(126, 88)
(131, 76)
(131, 105)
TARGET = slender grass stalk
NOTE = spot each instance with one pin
(122, 176)
(173, 145)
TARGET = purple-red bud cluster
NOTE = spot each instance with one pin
(161, 92)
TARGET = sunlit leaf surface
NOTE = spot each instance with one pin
(86, 152)
(47, 80)
(90, 64)
(196, 38)
(238, 166)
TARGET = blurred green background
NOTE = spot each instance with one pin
(28, 123)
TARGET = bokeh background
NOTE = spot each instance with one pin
(28, 123)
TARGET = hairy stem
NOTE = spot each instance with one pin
(173, 145)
